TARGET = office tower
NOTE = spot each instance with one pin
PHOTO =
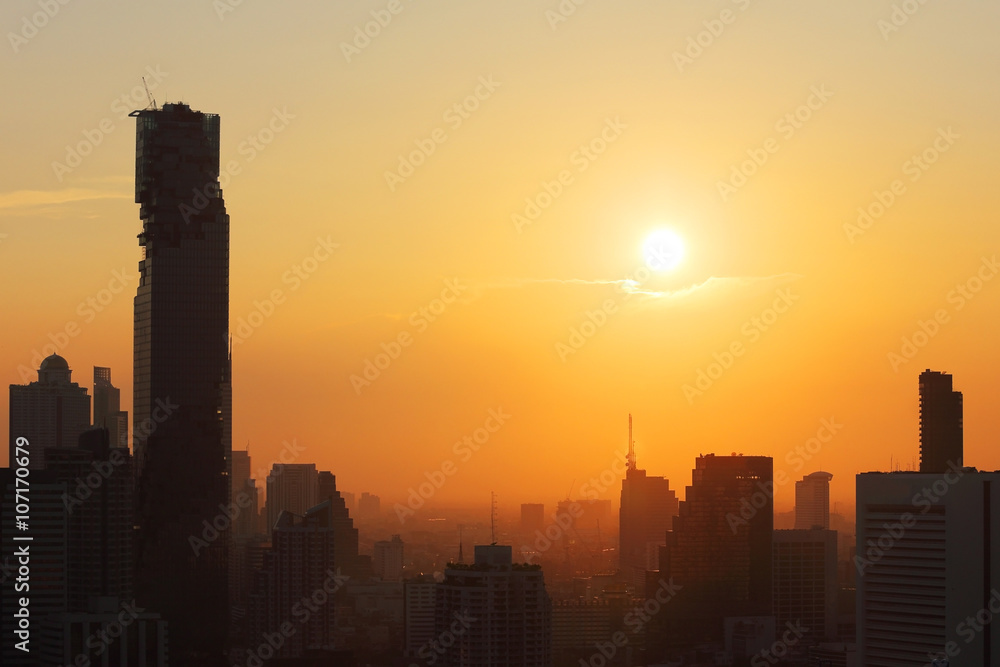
(369, 507)
(940, 423)
(51, 412)
(496, 612)
(928, 572)
(291, 487)
(388, 559)
(298, 566)
(107, 408)
(648, 506)
(110, 631)
(98, 500)
(805, 581)
(349, 501)
(243, 496)
(48, 553)
(181, 375)
(346, 535)
(532, 518)
(719, 549)
(812, 501)
(418, 613)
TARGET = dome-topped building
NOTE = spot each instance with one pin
(51, 412)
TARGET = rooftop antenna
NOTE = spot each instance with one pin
(460, 557)
(631, 446)
(149, 96)
(493, 519)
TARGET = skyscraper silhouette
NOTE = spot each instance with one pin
(940, 423)
(812, 501)
(181, 376)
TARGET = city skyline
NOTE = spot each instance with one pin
(312, 152)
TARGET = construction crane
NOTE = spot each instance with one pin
(149, 96)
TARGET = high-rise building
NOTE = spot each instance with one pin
(719, 550)
(418, 614)
(388, 559)
(107, 408)
(369, 507)
(805, 582)
(346, 535)
(928, 571)
(812, 501)
(940, 423)
(299, 566)
(291, 487)
(181, 376)
(648, 507)
(243, 494)
(493, 613)
(532, 518)
(51, 412)
(98, 478)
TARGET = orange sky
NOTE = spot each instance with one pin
(310, 129)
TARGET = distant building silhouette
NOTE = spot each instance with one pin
(369, 507)
(50, 412)
(532, 518)
(181, 378)
(298, 566)
(812, 501)
(244, 496)
(647, 510)
(940, 423)
(107, 408)
(493, 612)
(388, 559)
(805, 581)
(719, 549)
(291, 487)
(346, 555)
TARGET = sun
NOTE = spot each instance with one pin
(663, 250)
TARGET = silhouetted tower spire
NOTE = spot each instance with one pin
(461, 558)
(631, 446)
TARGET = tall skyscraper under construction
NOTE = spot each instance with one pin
(182, 378)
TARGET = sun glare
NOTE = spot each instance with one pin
(663, 250)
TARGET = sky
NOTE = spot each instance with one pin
(437, 227)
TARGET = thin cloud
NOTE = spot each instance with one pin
(33, 199)
(632, 286)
